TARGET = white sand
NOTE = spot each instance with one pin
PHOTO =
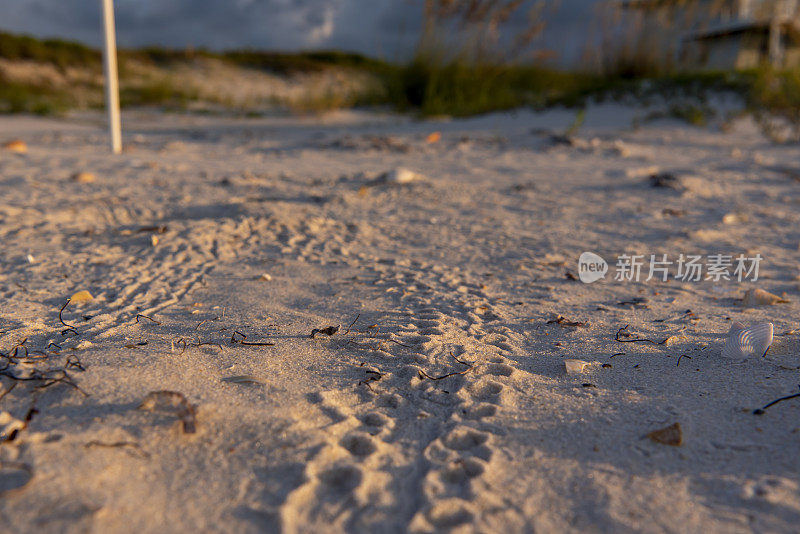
(469, 262)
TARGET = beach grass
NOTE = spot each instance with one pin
(427, 85)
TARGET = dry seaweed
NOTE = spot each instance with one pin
(73, 363)
(422, 374)
(172, 401)
(562, 321)
(153, 229)
(69, 328)
(623, 332)
(328, 331)
(47, 378)
(242, 341)
(142, 316)
(351, 324)
(762, 410)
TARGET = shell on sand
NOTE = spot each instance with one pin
(759, 297)
(16, 145)
(433, 137)
(671, 435)
(401, 175)
(81, 297)
(743, 342)
(84, 177)
(575, 367)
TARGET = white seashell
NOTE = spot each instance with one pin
(743, 342)
(759, 297)
(734, 218)
(575, 367)
(401, 175)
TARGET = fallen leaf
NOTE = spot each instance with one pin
(433, 137)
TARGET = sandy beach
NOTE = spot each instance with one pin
(214, 247)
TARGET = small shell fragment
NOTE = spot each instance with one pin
(84, 177)
(744, 342)
(81, 297)
(16, 145)
(734, 218)
(400, 176)
(433, 137)
(759, 297)
(671, 435)
(575, 367)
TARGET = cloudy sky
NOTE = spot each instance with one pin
(382, 28)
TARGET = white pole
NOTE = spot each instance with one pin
(112, 83)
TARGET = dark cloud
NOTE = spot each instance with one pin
(384, 28)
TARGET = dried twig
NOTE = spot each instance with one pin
(73, 363)
(154, 229)
(61, 377)
(637, 339)
(372, 376)
(423, 374)
(61, 319)
(562, 321)
(142, 316)
(20, 345)
(761, 411)
(351, 324)
(248, 343)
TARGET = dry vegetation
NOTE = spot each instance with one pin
(487, 62)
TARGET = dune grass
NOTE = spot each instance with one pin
(427, 85)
